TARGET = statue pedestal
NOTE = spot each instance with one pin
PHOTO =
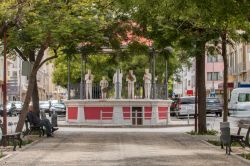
(118, 112)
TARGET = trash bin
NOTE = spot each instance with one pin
(54, 119)
(225, 137)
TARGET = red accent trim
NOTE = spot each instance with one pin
(126, 113)
(72, 112)
(147, 113)
(162, 112)
(94, 113)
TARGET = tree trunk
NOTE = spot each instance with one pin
(225, 77)
(35, 99)
(30, 89)
(201, 86)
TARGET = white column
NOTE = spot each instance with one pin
(155, 115)
(118, 115)
(80, 114)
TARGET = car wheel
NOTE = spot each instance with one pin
(220, 114)
(49, 114)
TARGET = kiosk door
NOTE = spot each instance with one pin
(137, 118)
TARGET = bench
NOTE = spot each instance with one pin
(242, 140)
(15, 138)
(32, 128)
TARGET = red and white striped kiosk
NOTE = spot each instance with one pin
(118, 112)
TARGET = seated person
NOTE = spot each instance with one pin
(36, 121)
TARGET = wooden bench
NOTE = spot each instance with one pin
(32, 128)
(15, 138)
(242, 140)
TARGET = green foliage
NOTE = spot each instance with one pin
(209, 132)
(245, 155)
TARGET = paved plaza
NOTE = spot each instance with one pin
(120, 146)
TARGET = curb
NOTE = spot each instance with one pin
(20, 149)
(5, 157)
(128, 126)
(232, 154)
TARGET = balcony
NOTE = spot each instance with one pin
(242, 68)
(231, 71)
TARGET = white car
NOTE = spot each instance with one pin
(239, 104)
(186, 106)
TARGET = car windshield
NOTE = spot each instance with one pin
(213, 100)
(18, 105)
(187, 100)
(60, 105)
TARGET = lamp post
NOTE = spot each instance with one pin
(81, 84)
(153, 55)
(68, 78)
(168, 50)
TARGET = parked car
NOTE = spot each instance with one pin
(174, 106)
(186, 106)
(58, 108)
(45, 106)
(18, 105)
(214, 106)
(239, 104)
(11, 109)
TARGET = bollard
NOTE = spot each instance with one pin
(225, 137)
(54, 120)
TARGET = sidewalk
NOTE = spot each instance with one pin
(121, 146)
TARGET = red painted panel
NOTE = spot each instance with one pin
(126, 113)
(94, 113)
(162, 111)
(147, 112)
(72, 112)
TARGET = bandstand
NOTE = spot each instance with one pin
(146, 110)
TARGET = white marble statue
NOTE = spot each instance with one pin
(117, 81)
(131, 79)
(104, 87)
(147, 83)
(89, 80)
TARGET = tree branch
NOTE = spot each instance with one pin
(48, 59)
(20, 53)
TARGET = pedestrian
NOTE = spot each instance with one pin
(36, 121)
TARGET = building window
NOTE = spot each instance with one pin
(14, 74)
(248, 52)
(212, 58)
(212, 76)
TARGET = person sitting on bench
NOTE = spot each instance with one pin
(36, 121)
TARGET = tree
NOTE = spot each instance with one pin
(49, 24)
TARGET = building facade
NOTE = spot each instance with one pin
(17, 81)
(184, 83)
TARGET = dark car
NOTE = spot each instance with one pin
(11, 109)
(58, 108)
(214, 106)
(18, 105)
(45, 106)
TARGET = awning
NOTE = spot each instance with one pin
(230, 85)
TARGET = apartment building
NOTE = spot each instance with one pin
(17, 81)
(184, 83)
(239, 65)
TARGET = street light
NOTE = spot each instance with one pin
(152, 54)
(168, 50)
